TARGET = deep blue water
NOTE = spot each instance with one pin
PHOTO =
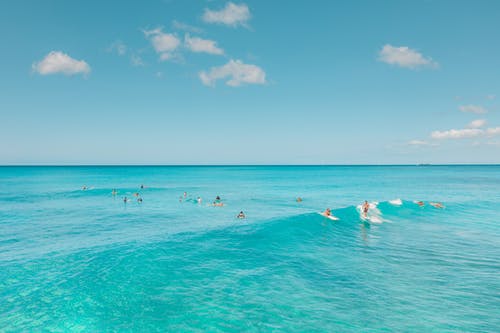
(85, 261)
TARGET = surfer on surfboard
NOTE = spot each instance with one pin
(365, 208)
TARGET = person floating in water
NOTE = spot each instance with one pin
(114, 192)
(142, 186)
(241, 215)
(84, 188)
(365, 208)
(125, 199)
(199, 200)
(217, 198)
(436, 204)
(299, 199)
(136, 194)
(185, 194)
(420, 203)
(218, 204)
(139, 200)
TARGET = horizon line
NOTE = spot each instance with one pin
(244, 165)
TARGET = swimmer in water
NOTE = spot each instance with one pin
(136, 194)
(217, 198)
(185, 194)
(299, 199)
(199, 200)
(436, 204)
(142, 186)
(84, 188)
(366, 207)
(125, 199)
(241, 215)
(218, 204)
(113, 193)
(139, 200)
(420, 203)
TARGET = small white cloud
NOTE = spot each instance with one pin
(136, 60)
(421, 143)
(118, 46)
(457, 134)
(493, 131)
(238, 73)
(478, 123)
(403, 56)
(163, 43)
(196, 44)
(490, 97)
(231, 15)
(472, 109)
(186, 27)
(58, 62)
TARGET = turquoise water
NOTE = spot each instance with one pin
(84, 261)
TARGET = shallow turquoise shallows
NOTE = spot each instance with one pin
(85, 261)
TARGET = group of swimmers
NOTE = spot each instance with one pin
(365, 207)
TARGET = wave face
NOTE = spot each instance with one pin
(74, 260)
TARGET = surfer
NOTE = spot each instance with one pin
(436, 204)
(241, 215)
(327, 212)
(366, 207)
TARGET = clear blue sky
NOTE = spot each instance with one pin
(252, 82)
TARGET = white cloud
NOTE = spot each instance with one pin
(457, 134)
(119, 47)
(196, 44)
(493, 131)
(238, 73)
(490, 97)
(478, 123)
(58, 62)
(472, 108)
(186, 27)
(164, 43)
(421, 143)
(403, 56)
(231, 15)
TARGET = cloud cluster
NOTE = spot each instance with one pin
(238, 73)
(59, 62)
(403, 56)
(472, 109)
(474, 130)
(231, 15)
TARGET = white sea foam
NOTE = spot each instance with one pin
(396, 202)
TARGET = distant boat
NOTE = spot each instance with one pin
(423, 164)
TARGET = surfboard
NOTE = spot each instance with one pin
(331, 217)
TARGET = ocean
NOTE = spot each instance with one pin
(75, 260)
